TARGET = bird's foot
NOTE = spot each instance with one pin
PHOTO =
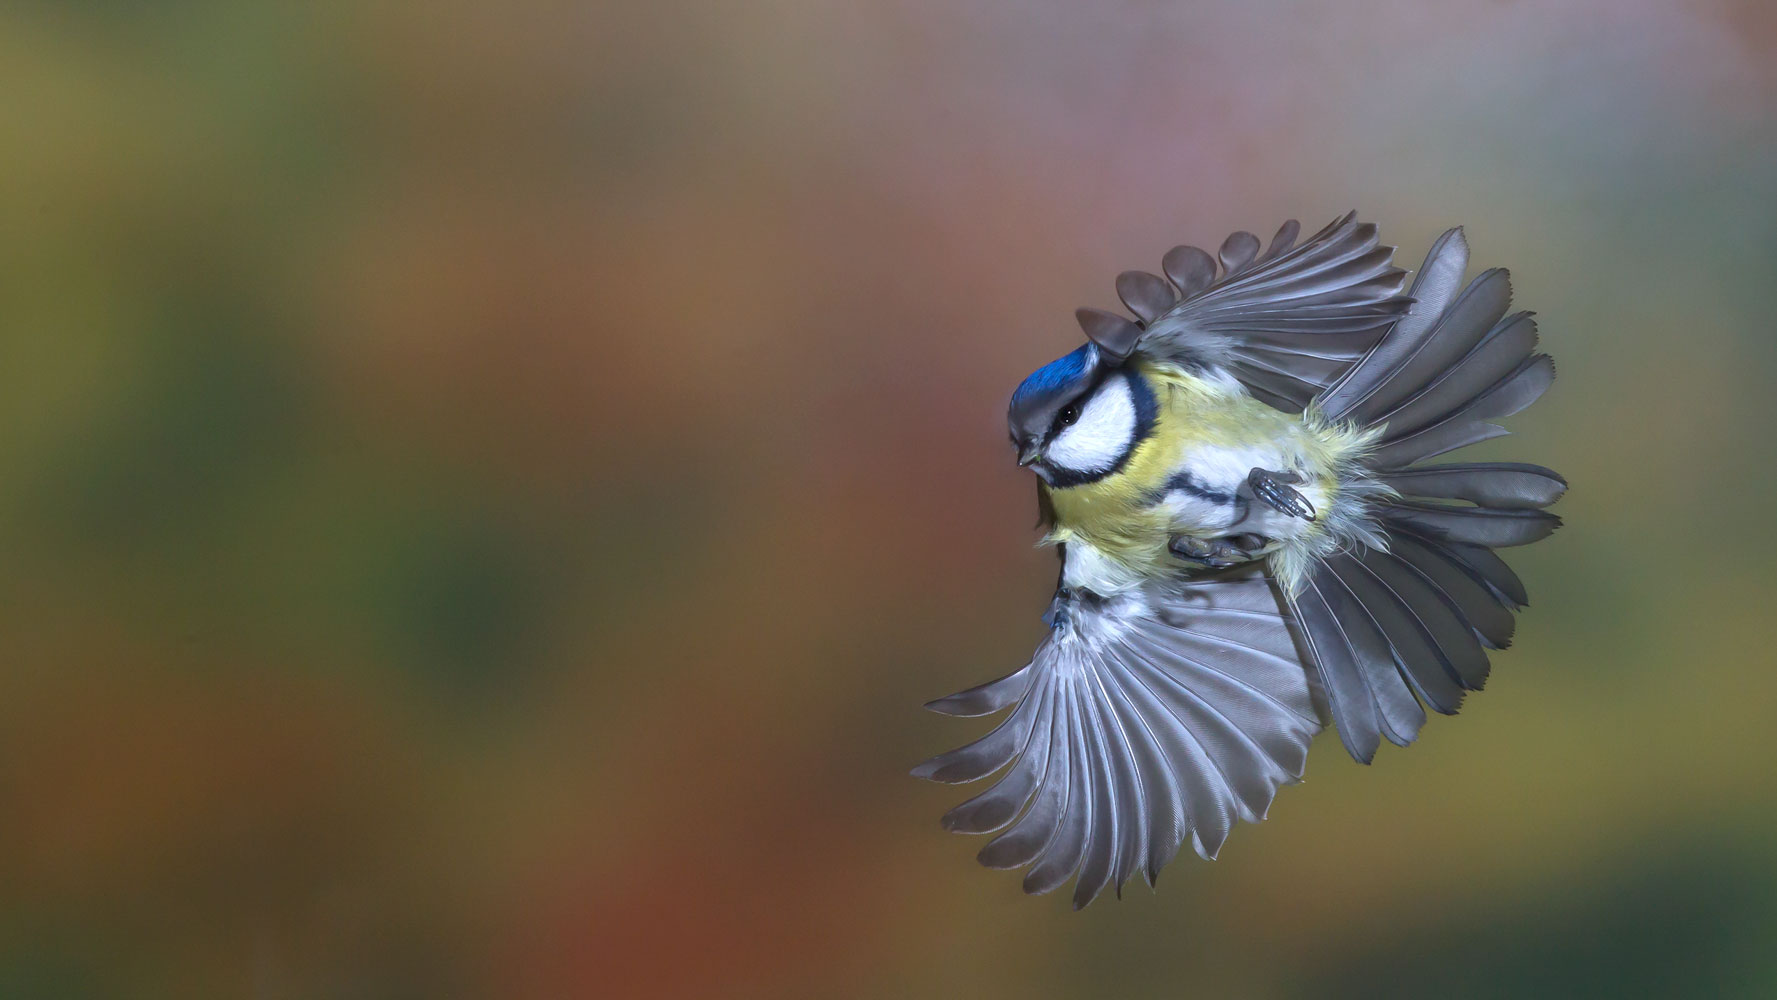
(1274, 490)
(1057, 615)
(1221, 552)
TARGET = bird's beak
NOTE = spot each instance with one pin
(1029, 454)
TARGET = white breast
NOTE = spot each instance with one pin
(1088, 567)
(1225, 468)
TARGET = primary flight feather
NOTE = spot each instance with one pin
(1251, 544)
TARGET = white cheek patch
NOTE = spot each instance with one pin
(1105, 430)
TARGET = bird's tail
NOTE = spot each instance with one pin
(1408, 616)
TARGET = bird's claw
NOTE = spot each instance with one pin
(1274, 490)
(1218, 553)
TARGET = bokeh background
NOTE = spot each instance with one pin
(485, 488)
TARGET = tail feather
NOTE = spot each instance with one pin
(1409, 621)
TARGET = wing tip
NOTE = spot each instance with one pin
(948, 705)
(1454, 238)
(925, 770)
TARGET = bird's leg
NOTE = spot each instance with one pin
(1056, 616)
(1220, 552)
(1274, 490)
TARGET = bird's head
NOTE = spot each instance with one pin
(1078, 418)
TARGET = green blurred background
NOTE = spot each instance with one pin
(485, 488)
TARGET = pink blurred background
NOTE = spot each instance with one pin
(486, 488)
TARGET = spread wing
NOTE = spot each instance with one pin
(1141, 720)
(1389, 628)
(1287, 322)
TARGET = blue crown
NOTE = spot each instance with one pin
(1060, 372)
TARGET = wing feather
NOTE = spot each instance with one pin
(1408, 614)
(1415, 654)
(1061, 855)
(1287, 322)
(1507, 485)
(1143, 720)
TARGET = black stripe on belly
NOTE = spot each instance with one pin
(1185, 482)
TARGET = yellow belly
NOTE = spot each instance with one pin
(1119, 515)
(1116, 516)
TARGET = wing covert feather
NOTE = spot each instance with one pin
(1287, 322)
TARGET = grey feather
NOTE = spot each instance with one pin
(1238, 250)
(1103, 826)
(1467, 424)
(984, 699)
(1432, 291)
(984, 756)
(1129, 786)
(1492, 622)
(1146, 719)
(1062, 854)
(1024, 840)
(1245, 769)
(1347, 346)
(1491, 572)
(1355, 279)
(1344, 254)
(1446, 626)
(1191, 269)
(1146, 295)
(1473, 525)
(1165, 825)
(1416, 655)
(1205, 805)
(1438, 593)
(1000, 804)
(1445, 439)
(1309, 369)
(1457, 330)
(1506, 485)
(1115, 336)
(1504, 348)
(1337, 284)
(1269, 377)
(1285, 238)
(1391, 628)
(1397, 712)
(1354, 711)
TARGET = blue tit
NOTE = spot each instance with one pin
(1252, 543)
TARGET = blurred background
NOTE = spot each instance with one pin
(485, 489)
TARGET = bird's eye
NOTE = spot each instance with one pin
(1068, 415)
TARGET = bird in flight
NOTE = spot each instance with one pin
(1253, 544)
